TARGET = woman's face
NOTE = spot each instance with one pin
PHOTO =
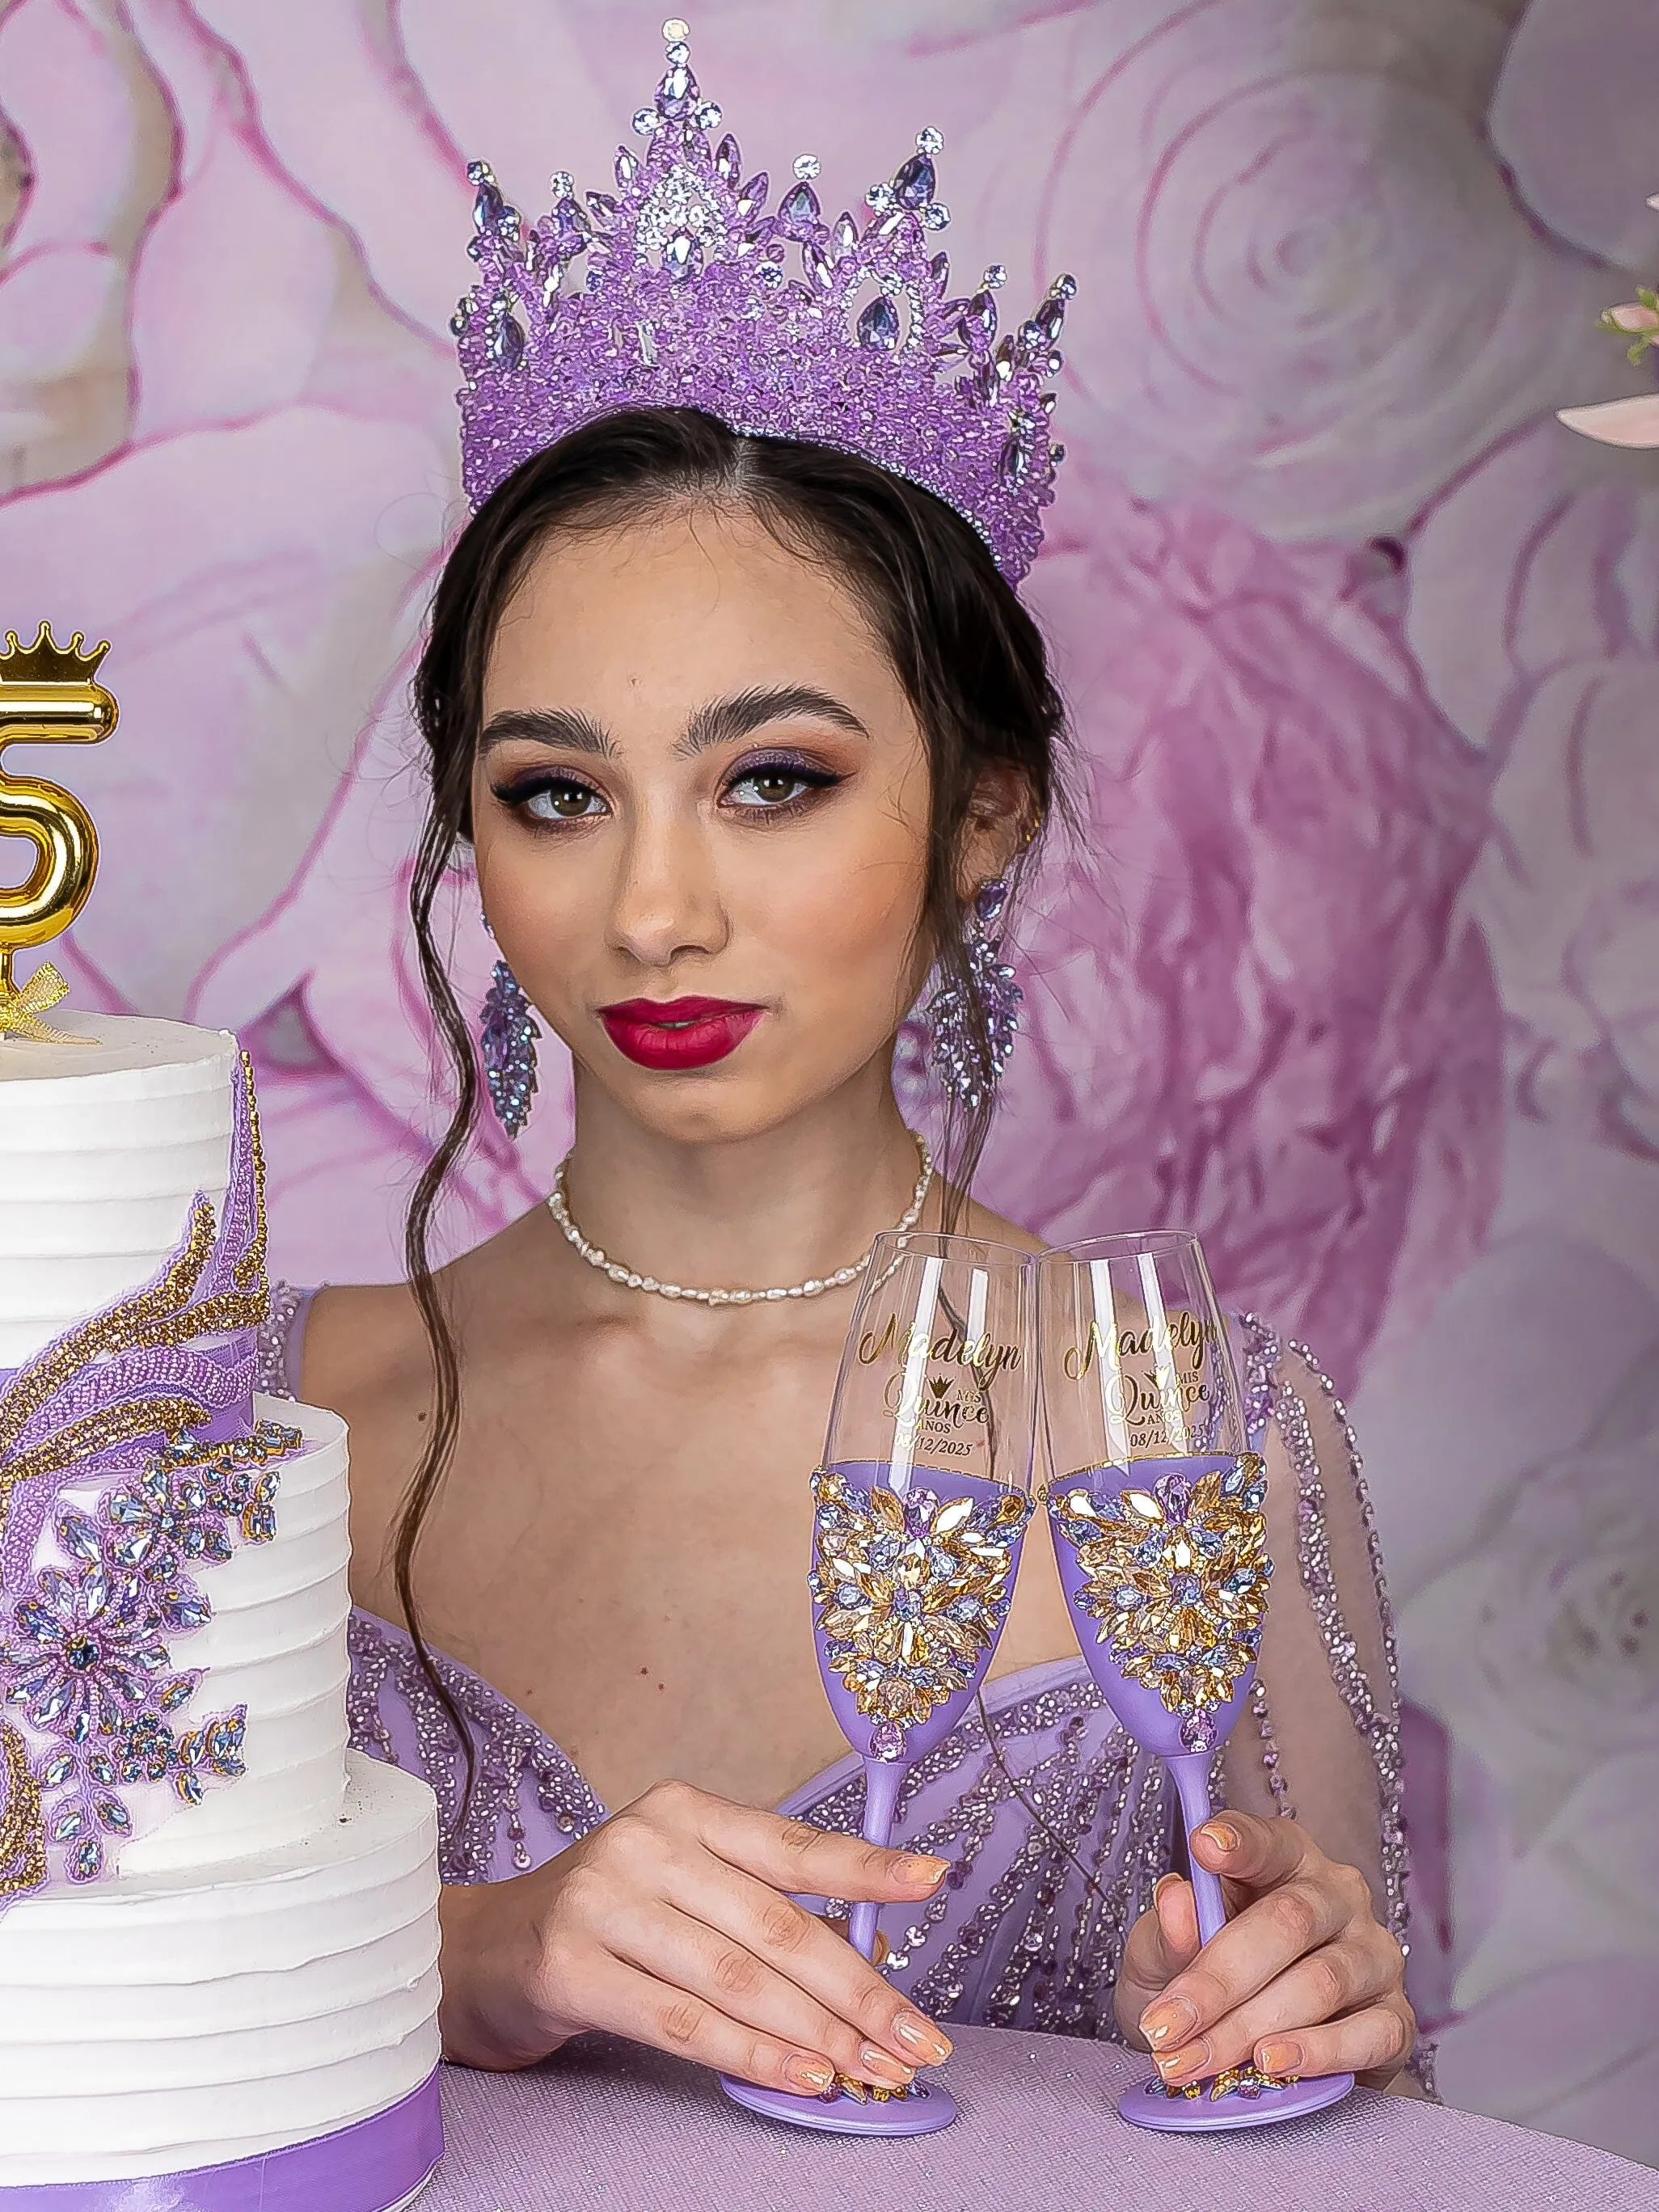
(700, 812)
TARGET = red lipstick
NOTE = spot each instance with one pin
(671, 1034)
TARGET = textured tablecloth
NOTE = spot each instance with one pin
(606, 2123)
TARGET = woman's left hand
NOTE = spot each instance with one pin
(1302, 1980)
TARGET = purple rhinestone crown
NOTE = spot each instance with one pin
(676, 291)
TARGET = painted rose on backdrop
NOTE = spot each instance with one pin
(1308, 296)
(1572, 117)
(1220, 1041)
(1538, 1653)
(255, 544)
(1533, 618)
(1319, 299)
(96, 170)
(1542, 1649)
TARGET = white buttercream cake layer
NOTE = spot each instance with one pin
(103, 1145)
(277, 1643)
(158, 2022)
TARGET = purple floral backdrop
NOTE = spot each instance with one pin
(1355, 970)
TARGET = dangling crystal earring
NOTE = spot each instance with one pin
(507, 1031)
(971, 1054)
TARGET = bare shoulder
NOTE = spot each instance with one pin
(366, 1356)
(366, 1341)
(979, 1221)
(360, 1338)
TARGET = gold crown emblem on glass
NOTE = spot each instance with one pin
(49, 695)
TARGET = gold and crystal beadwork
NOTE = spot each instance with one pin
(1249, 2082)
(864, 2092)
(1245, 2081)
(161, 1315)
(22, 1830)
(1176, 1577)
(911, 1592)
(249, 1272)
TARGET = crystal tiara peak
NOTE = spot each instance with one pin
(675, 291)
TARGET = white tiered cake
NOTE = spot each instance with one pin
(218, 1929)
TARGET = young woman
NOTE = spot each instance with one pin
(736, 727)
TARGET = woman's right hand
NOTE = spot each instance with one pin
(672, 1923)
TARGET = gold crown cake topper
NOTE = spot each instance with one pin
(46, 661)
(49, 695)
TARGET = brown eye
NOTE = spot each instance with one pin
(775, 784)
(562, 802)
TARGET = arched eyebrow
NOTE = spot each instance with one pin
(558, 726)
(719, 722)
(724, 721)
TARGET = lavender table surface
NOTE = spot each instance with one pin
(606, 2123)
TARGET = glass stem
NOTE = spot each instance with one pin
(1191, 1771)
(882, 1780)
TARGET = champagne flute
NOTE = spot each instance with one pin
(1155, 1504)
(920, 1507)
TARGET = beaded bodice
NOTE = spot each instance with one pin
(1056, 1823)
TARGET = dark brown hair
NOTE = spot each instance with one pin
(970, 658)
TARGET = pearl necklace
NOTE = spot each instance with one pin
(814, 1287)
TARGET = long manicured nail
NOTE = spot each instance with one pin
(922, 1866)
(920, 2035)
(813, 2076)
(1221, 1833)
(881, 2066)
(1169, 2020)
(1283, 2056)
(1182, 2065)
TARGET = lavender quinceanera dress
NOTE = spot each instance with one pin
(1059, 1826)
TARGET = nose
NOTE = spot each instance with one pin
(666, 901)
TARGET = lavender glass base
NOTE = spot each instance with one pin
(1146, 2105)
(935, 2108)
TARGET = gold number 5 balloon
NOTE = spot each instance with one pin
(48, 696)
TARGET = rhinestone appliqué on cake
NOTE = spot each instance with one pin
(87, 1657)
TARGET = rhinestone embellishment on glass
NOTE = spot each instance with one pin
(910, 1592)
(1177, 1578)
